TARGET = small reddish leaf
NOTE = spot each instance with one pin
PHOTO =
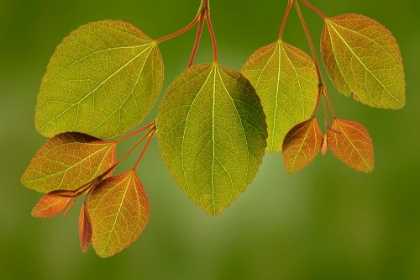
(324, 146)
(68, 161)
(351, 143)
(85, 228)
(301, 145)
(119, 211)
(50, 205)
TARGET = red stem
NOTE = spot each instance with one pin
(311, 45)
(286, 16)
(135, 145)
(135, 132)
(197, 41)
(213, 37)
(179, 32)
(150, 134)
(314, 8)
(329, 103)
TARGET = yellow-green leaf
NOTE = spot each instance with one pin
(212, 134)
(361, 56)
(301, 144)
(119, 211)
(102, 80)
(68, 161)
(286, 81)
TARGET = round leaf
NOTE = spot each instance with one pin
(102, 80)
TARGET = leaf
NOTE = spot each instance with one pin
(68, 161)
(119, 211)
(102, 80)
(286, 81)
(212, 134)
(351, 143)
(324, 147)
(85, 228)
(301, 144)
(50, 205)
(361, 56)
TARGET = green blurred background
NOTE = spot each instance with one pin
(325, 222)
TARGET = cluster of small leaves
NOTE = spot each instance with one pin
(214, 124)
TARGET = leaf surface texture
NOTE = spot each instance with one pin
(102, 80)
(361, 56)
(286, 81)
(301, 144)
(68, 161)
(212, 134)
(119, 211)
(351, 143)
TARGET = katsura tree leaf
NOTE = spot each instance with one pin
(50, 205)
(301, 144)
(351, 143)
(119, 211)
(85, 228)
(102, 80)
(68, 161)
(212, 134)
(361, 56)
(286, 81)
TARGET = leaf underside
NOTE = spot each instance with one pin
(351, 143)
(119, 211)
(212, 134)
(102, 80)
(285, 79)
(68, 161)
(301, 144)
(361, 56)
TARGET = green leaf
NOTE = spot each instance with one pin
(119, 211)
(102, 80)
(361, 56)
(285, 79)
(68, 161)
(212, 134)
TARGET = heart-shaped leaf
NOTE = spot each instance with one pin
(102, 80)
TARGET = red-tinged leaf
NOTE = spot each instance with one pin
(361, 56)
(85, 228)
(68, 161)
(301, 145)
(50, 205)
(324, 146)
(119, 211)
(351, 143)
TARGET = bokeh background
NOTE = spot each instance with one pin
(325, 222)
